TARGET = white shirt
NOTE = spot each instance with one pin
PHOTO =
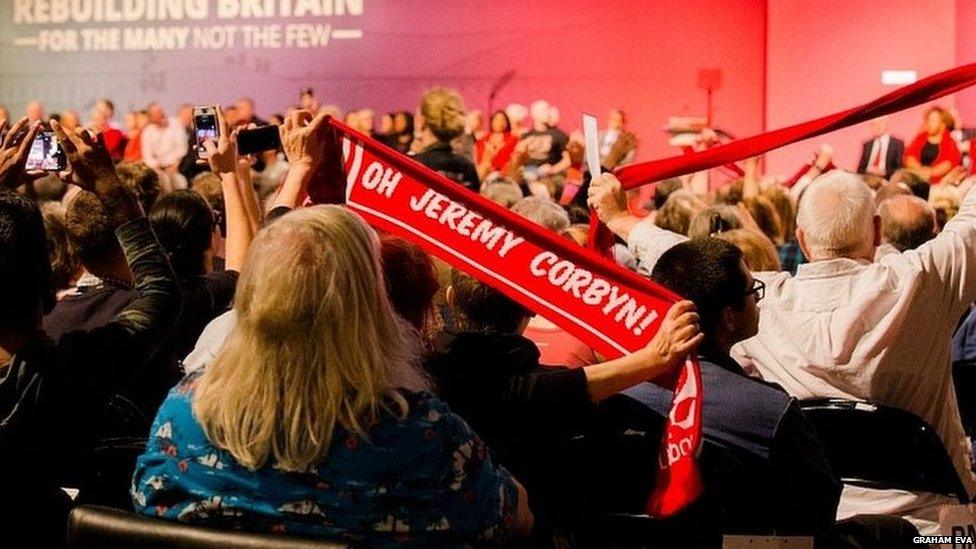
(164, 146)
(875, 331)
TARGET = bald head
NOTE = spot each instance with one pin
(907, 222)
(836, 218)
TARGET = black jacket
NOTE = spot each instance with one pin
(526, 413)
(52, 391)
(763, 467)
(893, 159)
(441, 158)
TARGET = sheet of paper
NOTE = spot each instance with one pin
(592, 142)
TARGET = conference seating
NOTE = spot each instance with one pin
(95, 527)
(881, 447)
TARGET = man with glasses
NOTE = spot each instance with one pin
(763, 467)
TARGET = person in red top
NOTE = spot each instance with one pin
(101, 123)
(134, 124)
(493, 151)
(933, 152)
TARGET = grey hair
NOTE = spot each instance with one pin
(837, 216)
(543, 211)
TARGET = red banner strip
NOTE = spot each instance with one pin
(927, 89)
(609, 308)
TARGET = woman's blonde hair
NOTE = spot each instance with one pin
(443, 112)
(758, 251)
(312, 348)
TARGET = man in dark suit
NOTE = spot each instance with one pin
(882, 154)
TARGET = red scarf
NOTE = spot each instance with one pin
(609, 308)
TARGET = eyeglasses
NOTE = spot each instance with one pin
(758, 288)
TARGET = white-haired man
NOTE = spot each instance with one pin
(847, 327)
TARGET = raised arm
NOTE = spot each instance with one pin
(124, 344)
(950, 258)
(645, 240)
(222, 157)
(303, 139)
(14, 152)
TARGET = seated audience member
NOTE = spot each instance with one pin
(556, 346)
(51, 390)
(838, 328)
(101, 123)
(763, 467)
(411, 283)
(184, 224)
(164, 144)
(489, 373)
(442, 117)
(541, 152)
(677, 212)
(912, 181)
(494, 151)
(758, 252)
(617, 145)
(790, 255)
(907, 222)
(303, 423)
(933, 152)
(501, 191)
(882, 154)
(714, 220)
(135, 123)
(764, 214)
(65, 267)
(663, 189)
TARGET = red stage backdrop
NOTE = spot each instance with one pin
(580, 54)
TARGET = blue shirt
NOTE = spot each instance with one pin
(425, 479)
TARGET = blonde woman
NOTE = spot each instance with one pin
(441, 121)
(299, 424)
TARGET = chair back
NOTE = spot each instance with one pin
(882, 447)
(92, 526)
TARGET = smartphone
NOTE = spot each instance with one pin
(46, 154)
(263, 138)
(205, 126)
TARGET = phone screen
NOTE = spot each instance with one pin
(264, 138)
(205, 122)
(46, 153)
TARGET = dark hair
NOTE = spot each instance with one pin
(707, 271)
(90, 235)
(508, 123)
(64, 264)
(184, 223)
(915, 183)
(142, 180)
(25, 272)
(207, 185)
(410, 277)
(479, 307)
(663, 189)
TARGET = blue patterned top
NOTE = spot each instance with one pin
(426, 479)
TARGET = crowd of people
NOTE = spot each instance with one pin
(283, 368)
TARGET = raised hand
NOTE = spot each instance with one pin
(678, 335)
(14, 152)
(222, 154)
(93, 170)
(89, 159)
(607, 197)
(304, 139)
